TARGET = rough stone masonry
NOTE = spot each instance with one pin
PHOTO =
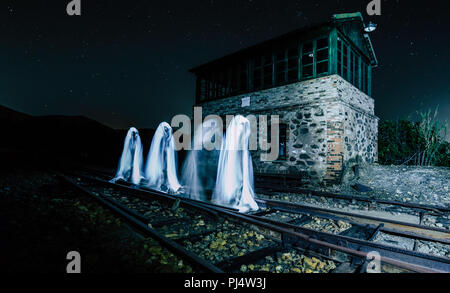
(331, 126)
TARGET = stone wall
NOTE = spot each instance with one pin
(329, 122)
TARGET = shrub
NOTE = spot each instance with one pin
(414, 143)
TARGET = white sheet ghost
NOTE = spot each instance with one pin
(161, 165)
(200, 167)
(131, 161)
(234, 183)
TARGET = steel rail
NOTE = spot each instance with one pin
(433, 208)
(405, 229)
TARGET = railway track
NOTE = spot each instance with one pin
(416, 231)
(291, 233)
(420, 226)
(271, 187)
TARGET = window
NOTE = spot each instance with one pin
(345, 61)
(202, 90)
(367, 78)
(307, 60)
(222, 84)
(358, 71)
(280, 67)
(282, 140)
(257, 73)
(268, 70)
(235, 79)
(229, 74)
(243, 85)
(352, 67)
(292, 64)
(322, 53)
(339, 56)
(363, 76)
(355, 69)
(210, 89)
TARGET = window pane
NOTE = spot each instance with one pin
(292, 63)
(211, 90)
(257, 62)
(339, 57)
(345, 61)
(280, 78)
(243, 77)
(363, 76)
(353, 68)
(202, 90)
(322, 55)
(280, 66)
(307, 71)
(322, 67)
(367, 78)
(280, 69)
(257, 79)
(234, 79)
(229, 81)
(283, 142)
(308, 59)
(293, 75)
(267, 70)
(267, 80)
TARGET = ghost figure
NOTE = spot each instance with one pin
(161, 168)
(234, 182)
(130, 165)
(200, 167)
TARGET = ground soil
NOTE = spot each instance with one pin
(42, 219)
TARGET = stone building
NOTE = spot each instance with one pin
(318, 80)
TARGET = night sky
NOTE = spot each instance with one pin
(126, 63)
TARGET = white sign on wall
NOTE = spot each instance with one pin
(245, 102)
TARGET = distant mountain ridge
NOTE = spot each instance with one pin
(10, 114)
(78, 137)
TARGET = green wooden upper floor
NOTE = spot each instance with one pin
(339, 46)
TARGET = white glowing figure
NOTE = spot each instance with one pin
(200, 167)
(130, 165)
(234, 183)
(161, 167)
